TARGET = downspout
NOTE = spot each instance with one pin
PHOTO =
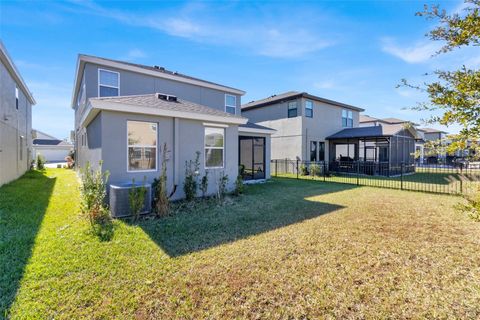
(176, 155)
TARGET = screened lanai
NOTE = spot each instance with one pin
(377, 150)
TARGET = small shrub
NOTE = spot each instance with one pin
(239, 185)
(59, 166)
(472, 205)
(40, 162)
(222, 186)
(136, 198)
(204, 184)
(191, 176)
(303, 170)
(161, 203)
(315, 169)
(93, 192)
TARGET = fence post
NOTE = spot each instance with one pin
(297, 168)
(324, 171)
(358, 172)
(276, 165)
(286, 166)
(461, 179)
(401, 176)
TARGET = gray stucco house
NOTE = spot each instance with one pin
(15, 120)
(125, 113)
(302, 122)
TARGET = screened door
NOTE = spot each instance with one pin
(252, 157)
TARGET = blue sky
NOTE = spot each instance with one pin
(354, 52)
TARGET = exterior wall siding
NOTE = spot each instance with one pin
(293, 136)
(191, 139)
(15, 156)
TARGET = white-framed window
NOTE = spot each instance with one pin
(141, 146)
(347, 118)
(308, 109)
(16, 97)
(292, 109)
(108, 83)
(230, 103)
(214, 147)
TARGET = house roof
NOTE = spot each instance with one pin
(12, 69)
(292, 95)
(369, 132)
(251, 127)
(48, 142)
(431, 130)
(364, 118)
(152, 104)
(155, 71)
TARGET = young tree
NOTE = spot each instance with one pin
(456, 94)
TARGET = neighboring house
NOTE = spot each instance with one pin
(432, 135)
(15, 120)
(125, 113)
(368, 121)
(302, 122)
(51, 148)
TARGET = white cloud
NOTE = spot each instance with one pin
(280, 38)
(418, 53)
(324, 85)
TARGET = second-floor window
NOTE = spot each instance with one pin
(108, 83)
(347, 118)
(16, 98)
(230, 103)
(309, 109)
(292, 109)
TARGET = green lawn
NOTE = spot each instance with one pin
(286, 249)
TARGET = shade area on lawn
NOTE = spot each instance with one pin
(285, 249)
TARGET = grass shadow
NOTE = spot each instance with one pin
(23, 204)
(264, 207)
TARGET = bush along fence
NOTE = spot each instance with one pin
(427, 178)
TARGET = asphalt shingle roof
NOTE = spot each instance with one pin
(153, 101)
(368, 132)
(255, 126)
(291, 95)
(47, 142)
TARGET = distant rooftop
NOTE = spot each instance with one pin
(292, 95)
(431, 130)
(366, 119)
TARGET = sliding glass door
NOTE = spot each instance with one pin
(252, 157)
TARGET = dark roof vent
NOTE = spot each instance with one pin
(159, 68)
(166, 97)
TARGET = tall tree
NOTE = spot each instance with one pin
(456, 94)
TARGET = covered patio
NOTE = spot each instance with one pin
(385, 150)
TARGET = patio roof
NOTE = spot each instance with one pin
(368, 132)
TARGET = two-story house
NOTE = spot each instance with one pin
(125, 113)
(302, 122)
(15, 120)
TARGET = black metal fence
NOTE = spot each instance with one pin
(448, 179)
